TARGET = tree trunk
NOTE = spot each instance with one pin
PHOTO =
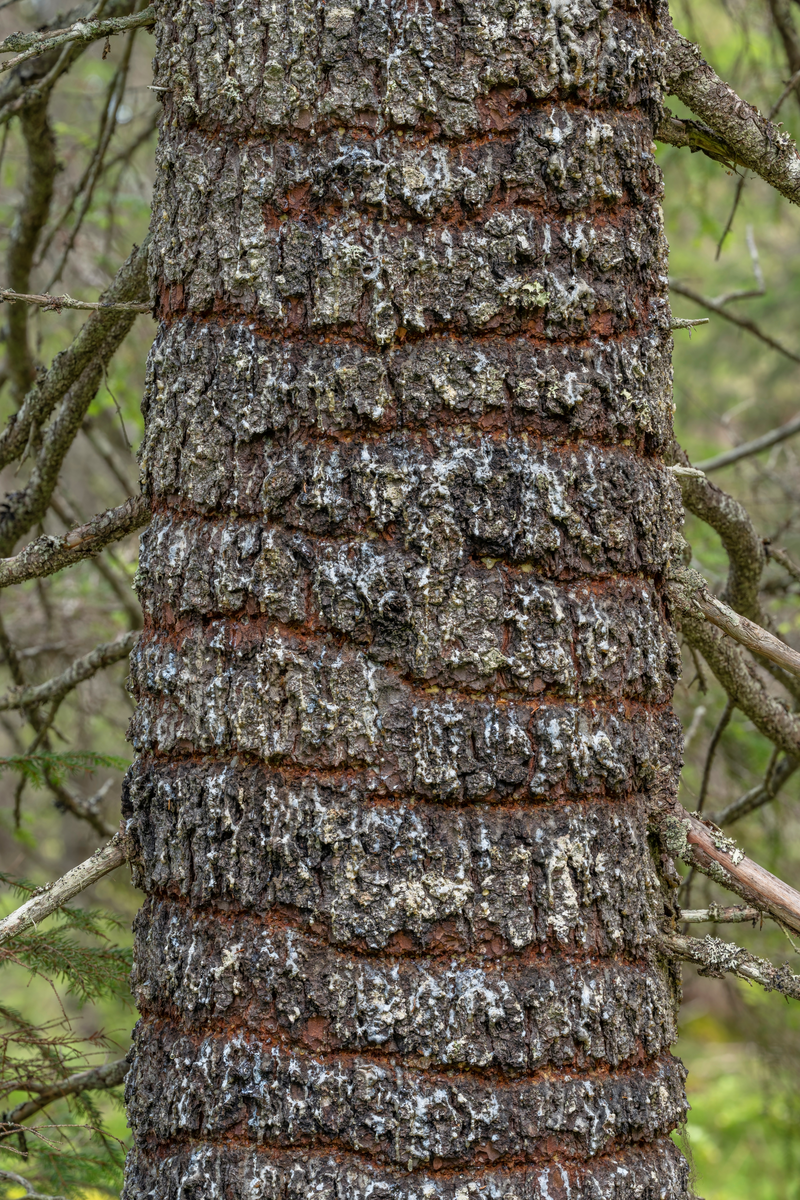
(405, 678)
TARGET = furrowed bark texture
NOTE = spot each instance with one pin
(405, 676)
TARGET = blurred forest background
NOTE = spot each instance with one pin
(64, 1004)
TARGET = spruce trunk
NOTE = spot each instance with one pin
(404, 685)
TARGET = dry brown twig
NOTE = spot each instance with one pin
(689, 592)
(748, 449)
(704, 846)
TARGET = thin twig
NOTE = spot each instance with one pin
(121, 588)
(104, 450)
(728, 224)
(747, 293)
(733, 915)
(780, 556)
(108, 125)
(32, 215)
(694, 725)
(702, 682)
(30, 1192)
(57, 303)
(758, 796)
(96, 1079)
(97, 340)
(703, 845)
(714, 305)
(721, 726)
(748, 449)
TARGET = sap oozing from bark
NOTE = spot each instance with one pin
(404, 682)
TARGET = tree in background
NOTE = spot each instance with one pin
(405, 803)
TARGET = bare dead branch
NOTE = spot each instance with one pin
(85, 810)
(688, 590)
(28, 506)
(697, 717)
(751, 140)
(748, 449)
(758, 796)
(124, 156)
(57, 303)
(105, 451)
(704, 846)
(742, 683)
(733, 915)
(780, 556)
(108, 125)
(54, 690)
(54, 895)
(791, 86)
(686, 323)
(717, 958)
(35, 79)
(49, 554)
(782, 16)
(96, 1079)
(79, 34)
(740, 182)
(716, 737)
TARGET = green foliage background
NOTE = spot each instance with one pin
(742, 1047)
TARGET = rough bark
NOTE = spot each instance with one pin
(404, 682)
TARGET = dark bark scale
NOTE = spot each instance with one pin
(405, 676)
